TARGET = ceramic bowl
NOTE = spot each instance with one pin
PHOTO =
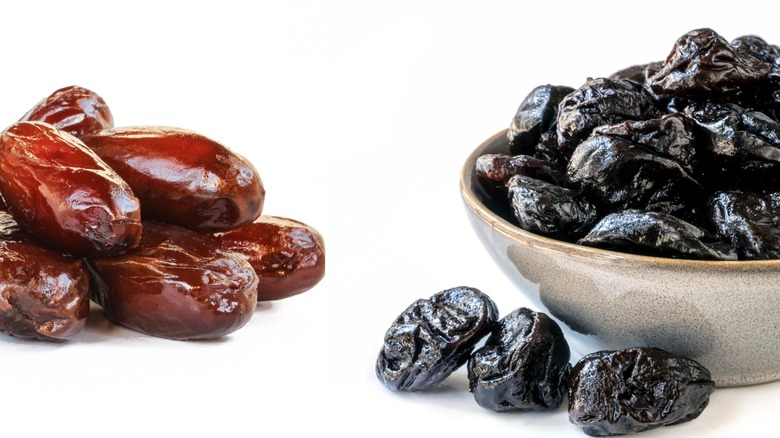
(726, 315)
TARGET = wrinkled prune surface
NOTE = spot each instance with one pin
(619, 175)
(759, 48)
(495, 170)
(61, 192)
(288, 256)
(176, 284)
(637, 389)
(43, 294)
(548, 209)
(182, 177)
(434, 337)
(657, 234)
(750, 222)
(73, 109)
(636, 73)
(599, 102)
(523, 366)
(703, 64)
(535, 120)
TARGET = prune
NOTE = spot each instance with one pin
(550, 210)
(176, 284)
(634, 390)
(759, 48)
(434, 337)
(288, 256)
(655, 233)
(636, 73)
(523, 366)
(61, 192)
(750, 222)
(73, 109)
(599, 102)
(704, 65)
(495, 170)
(212, 188)
(535, 119)
(45, 295)
(618, 175)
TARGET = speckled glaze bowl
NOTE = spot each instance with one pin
(726, 315)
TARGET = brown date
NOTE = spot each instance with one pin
(62, 193)
(43, 294)
(288, 256)
(182, 177)
(176, 284)
(73, 109)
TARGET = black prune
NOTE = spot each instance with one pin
(600, 102)
(636, 73)
(636, 389)
(434, 337)
(534, 121)
(495, 170)
(550, 210)
(523, 366)
(655, 233)
(750, 222)
(759, 48)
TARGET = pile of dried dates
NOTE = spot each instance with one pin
(523, 365)
(161, 226)
(677, 158)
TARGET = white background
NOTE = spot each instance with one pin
(358, 116)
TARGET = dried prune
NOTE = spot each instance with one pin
(759, 48)
(73, 109)
(288, 256)
(658, 234)
(535, 119)
(523, 366)
(212, 188)
(636, 73)
(60, 191)
(548, 209)
(637, 389)
(176, 284)
(750, 222)
(434, 337)
(495, 170)
(45, 295)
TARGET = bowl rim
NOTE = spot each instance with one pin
(467, 180)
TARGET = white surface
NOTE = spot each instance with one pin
(358, 117)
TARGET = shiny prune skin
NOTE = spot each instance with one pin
(523, 366)
(636, 73)
(75, 110)
(636, 389)
(494, 171)
(182, 177)
(58, 190)
(287, 255)
(599, 102)
(550, 210)
(45, 295)
(535, 119)
(433, 337)
(177, 284)
(759, 48)
(749, 222)
(657, 234)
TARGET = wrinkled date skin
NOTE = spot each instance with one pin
(43, 294)
(182, 177)
(523, 366)
(637, 389)
(62, 193)
(434, 337)
(178, 284)
(288, 256)
(75, 110)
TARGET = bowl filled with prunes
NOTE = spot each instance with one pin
(642, 209)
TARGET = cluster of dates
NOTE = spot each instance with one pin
(679, 158)
(160, 226)
(523, 365)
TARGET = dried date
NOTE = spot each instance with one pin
(75, 110)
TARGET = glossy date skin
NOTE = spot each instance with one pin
(75, 110)
(43, 294)
(182, 177)
(62, 193)
(178, 284)
(288, 256)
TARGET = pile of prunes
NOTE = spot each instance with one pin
(679, 158)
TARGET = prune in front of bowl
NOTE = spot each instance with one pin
(749, 221)
(523, 366)
(550, 210)
(433, 337)
(535, 119)
(658, 234)
(636, 389)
